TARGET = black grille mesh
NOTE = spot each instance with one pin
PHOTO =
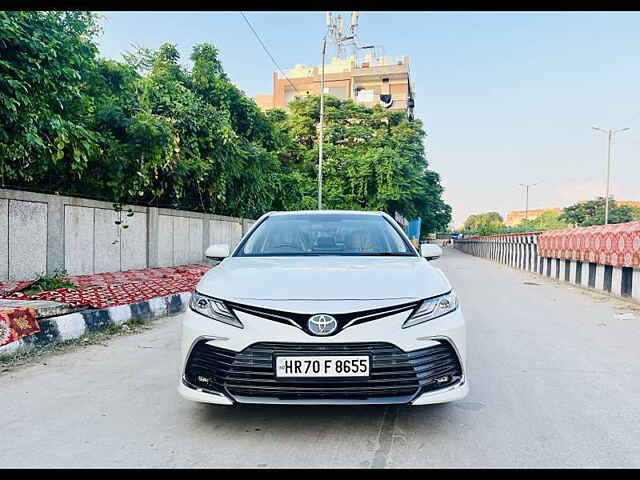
(395, 376)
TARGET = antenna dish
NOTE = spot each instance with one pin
(386, 101)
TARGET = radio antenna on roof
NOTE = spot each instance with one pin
(343, 41)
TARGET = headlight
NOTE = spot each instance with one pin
(433, 308)
(213, 308)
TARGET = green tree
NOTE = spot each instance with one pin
(545, 221)
(145, 131)
(44, 58)
(592, 212)
(484, 222)
(148, 130)
(183, 139)
(227, 152)
(374, 159)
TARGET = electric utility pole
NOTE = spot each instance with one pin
(526, 208)
(324, 49)
(611, 133)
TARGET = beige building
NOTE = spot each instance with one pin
(372, 81)
(516, 216)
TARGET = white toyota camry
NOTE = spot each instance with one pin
(324, 307)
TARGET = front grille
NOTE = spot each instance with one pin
(395, 376)
(344, 320)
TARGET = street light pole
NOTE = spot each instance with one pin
(324, 49)
(610, 133)
(526, 211)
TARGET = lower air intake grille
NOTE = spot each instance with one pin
(395, 376)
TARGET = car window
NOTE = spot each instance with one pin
(318, 234)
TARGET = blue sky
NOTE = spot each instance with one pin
(506, 97)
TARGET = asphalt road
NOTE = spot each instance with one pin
(554, 377)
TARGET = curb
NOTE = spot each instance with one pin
(75, 325)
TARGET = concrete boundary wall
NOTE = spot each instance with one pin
(521, 251)
(40, 233)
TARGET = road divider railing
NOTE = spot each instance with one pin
(603, 257)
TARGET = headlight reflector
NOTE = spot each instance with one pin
(213, 308)
(433, 308)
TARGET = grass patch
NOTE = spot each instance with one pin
(58, 279)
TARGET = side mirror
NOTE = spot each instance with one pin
(430, 251)
(217, 252)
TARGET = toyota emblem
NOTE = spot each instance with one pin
(322, 324)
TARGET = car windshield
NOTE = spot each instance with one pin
(325, 234)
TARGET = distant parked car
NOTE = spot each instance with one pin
(324, 307)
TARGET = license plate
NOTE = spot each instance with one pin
(323, 366)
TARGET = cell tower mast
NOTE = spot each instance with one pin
(344, 41)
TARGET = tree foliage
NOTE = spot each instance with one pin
(582, 214)
(44, 60)
(373, 159)
(589, 213)
(151, 131)
(145, 131)
(491, 223)
(484, 223)
(545, 221)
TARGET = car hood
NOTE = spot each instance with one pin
(259, 280)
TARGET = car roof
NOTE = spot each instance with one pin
(324, 212)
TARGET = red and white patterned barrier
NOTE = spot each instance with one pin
(617, 245)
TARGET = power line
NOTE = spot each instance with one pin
(266, 50)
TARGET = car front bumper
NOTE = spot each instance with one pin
(449, 328)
